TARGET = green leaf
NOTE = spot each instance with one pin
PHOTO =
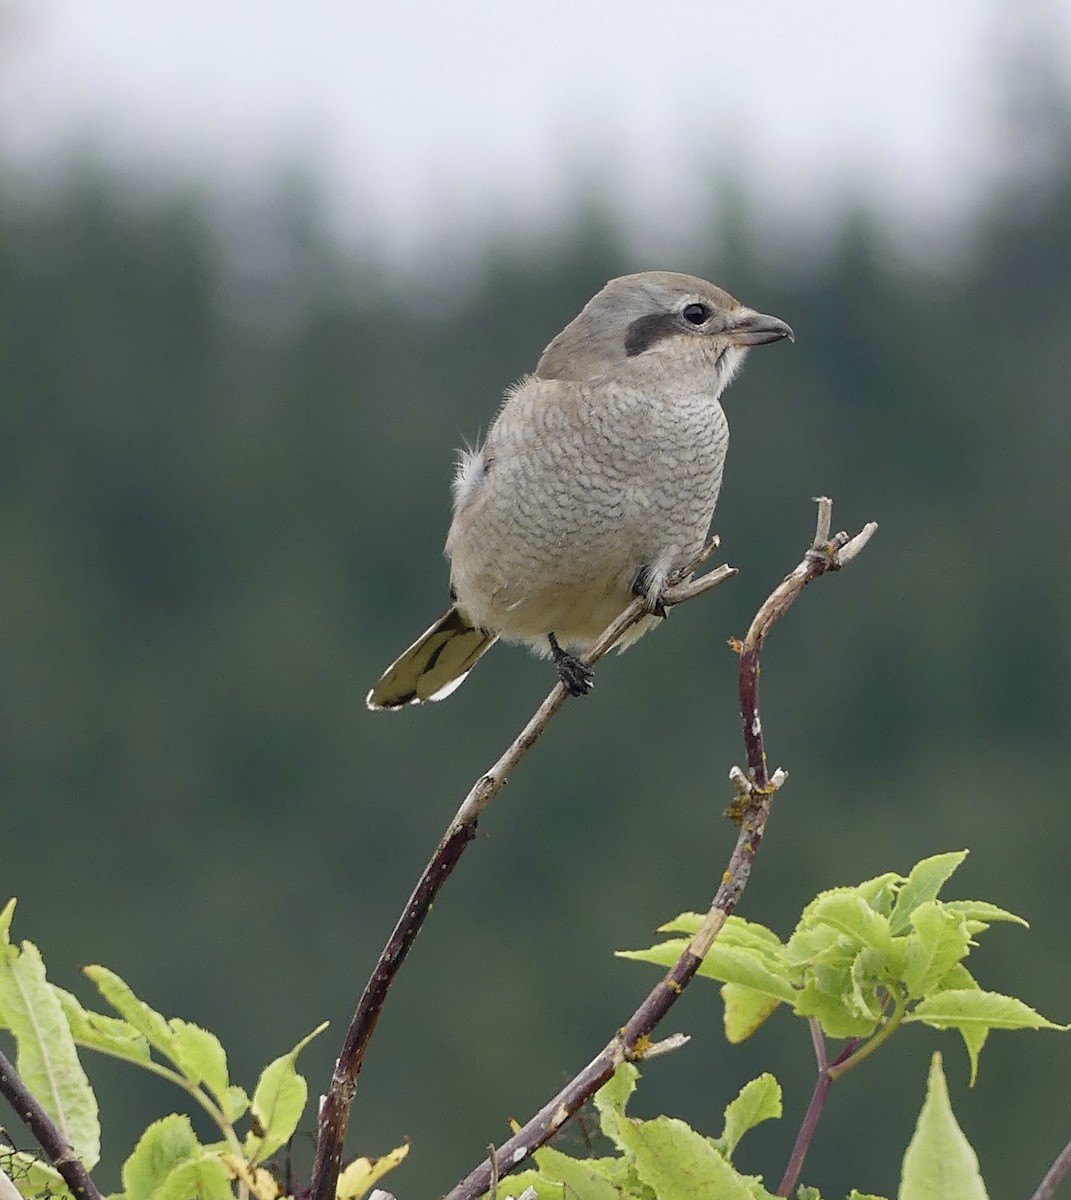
(584, 1178)
(965, 1008)
(854, 1195)
(751, 935)
(974, 1036)
(687, 923)
(937, 942)
(880, 892)
(727, 964)
(97, 1031)
(832, 1013)
(204, 1178)
(234, 1102)
(867, 976)
(849, 913)
(166, 1144)
(923, 884)
(679, 1164)
(612, 1097)
(939, 1163)
(147, 1021)
(545, 1189)
(199, 1055)
(815, 943)
(47, 1058)
(745, 1011)
(758, 1101)
(981, 910)
(278, 1102)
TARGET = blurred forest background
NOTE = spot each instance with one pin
(225, 450)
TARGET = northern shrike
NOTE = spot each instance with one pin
(597, 479)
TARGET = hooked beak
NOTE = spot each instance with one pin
(756, 329)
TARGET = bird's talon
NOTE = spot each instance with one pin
(577, 677)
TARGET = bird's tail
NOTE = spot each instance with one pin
(434, 665)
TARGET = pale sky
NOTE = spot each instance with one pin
(506, 111)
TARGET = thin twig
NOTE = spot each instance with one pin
(814, 1110)
(1055, 1175)
(59, 1150)
(750, 810)
(335, 1107)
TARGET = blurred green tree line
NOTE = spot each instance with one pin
(224, 456)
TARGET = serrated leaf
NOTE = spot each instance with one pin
(47, 1058)
(544, 1189)
(612, 1098)
(854, 1195)
(815, 943)
(850, 914)
(966, 1008)
(923, 884)
(939, 1163)
(161, 1148)
(147, 1021)
(880, 892)
(203, 1178)
(758, 1101)
(726, 964)
(745, 1011)
(278, 1102)
(234, 1102)
(981, 910)
(867, 976)
(974, 1037)
(679, 1164)
(199, 1055)
(7, 915)
(937, 942)
(831, 1012)
(583, 1179)
(97, 1031)
(359, 1176)
(687, 923)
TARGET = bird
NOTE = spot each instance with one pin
(597, 479)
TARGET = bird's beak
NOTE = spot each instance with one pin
(756, 329)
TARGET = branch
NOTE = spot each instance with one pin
(335, 1107)
(1055, 1175)
(60, 1151)
(750, 811)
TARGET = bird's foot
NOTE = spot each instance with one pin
(577, 677)
(641, 586)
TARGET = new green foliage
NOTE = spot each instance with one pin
(861, 961)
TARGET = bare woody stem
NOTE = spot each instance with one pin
(814, 1110)
(1055, 1175)
(335, 1108)
(60, 1151)
(751, 809)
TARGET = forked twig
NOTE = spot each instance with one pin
(750, 810)
(335, 1107)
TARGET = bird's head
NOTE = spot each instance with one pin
(661, 320)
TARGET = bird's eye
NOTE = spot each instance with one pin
(695, 314)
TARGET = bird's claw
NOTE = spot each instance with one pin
(577, 677)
